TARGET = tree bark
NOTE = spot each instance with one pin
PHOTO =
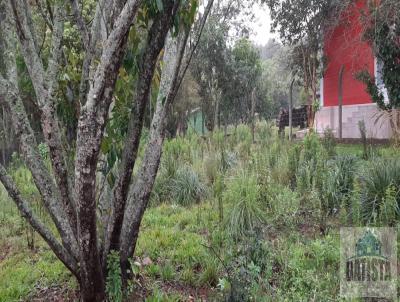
(140, 191)
(90, 133)
(156, 40)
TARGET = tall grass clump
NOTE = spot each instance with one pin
(182, 186)
(243, 193)
(329, 142)
(311, 165)
(264, 132)
(293, 163)
(243, 140)
(338, 184)
(186, 188)
(380, 191)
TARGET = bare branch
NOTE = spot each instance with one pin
(80, 23)
(23, 130)
(194, 45)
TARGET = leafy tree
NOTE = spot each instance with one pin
(302, 24)
(382, 31)
(82, 64)
(214, 66)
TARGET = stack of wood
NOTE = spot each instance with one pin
(299, 118)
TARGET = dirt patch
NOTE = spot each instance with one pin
(5, 250)
(56, 293)
(187, 292)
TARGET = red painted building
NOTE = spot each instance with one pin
(344, 46)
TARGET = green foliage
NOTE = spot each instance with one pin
(303, 194)
(312, 164)
(113, 282)
(382, 31)
(187, 188)
(21, 273)
(243, 193)
(380, 190)
(294, 162)
(306, 269)
(337, 183)
(329, 142)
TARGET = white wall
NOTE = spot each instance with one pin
(377, 125)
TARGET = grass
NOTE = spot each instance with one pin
(24, 272)
(230, 220)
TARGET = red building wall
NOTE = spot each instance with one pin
(344, 46)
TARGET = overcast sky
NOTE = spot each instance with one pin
(261, 26)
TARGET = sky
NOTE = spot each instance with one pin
(261, 26)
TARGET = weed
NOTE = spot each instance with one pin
(113, 282)
(329, 142)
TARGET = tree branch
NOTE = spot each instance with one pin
(37, 225)
(194, 45)
(45, 86)
(24, 132)
(139, 193)
(156, 41)
(80, 23)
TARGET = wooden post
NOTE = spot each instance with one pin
(341, 101)
(291, 109)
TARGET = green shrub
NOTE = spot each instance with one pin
(264, 132)
(337, 183)
(329, 142)
(178, 149)
(380, 187)
(312, 165)
(311, 147)
(180, 184)
(186, 188)
(113, 282)
(294, 162)
(246, 215)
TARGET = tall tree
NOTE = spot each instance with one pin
(69, 191)
(382, 31)
(302, 25)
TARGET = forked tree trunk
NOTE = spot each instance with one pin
(70, 197)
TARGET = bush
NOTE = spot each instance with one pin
(179, 184)
(337, 183)
(380, 191)
(113, 283)
(329, 142)
(186, 188)
(264, 132)
(246, 214)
